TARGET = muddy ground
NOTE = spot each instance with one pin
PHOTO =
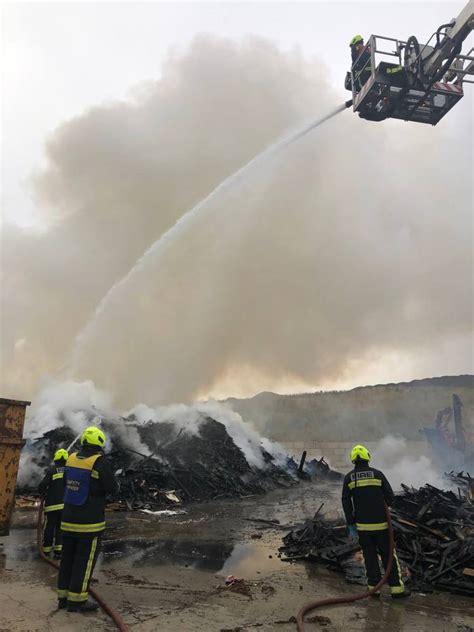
(168, 574)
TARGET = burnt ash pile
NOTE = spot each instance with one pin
(159, 465)
(434, 534)
(434, 531)
(201, 466)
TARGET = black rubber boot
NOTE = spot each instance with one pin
(62, 603)
(85, 606)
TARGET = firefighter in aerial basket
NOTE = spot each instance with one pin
(365, 493)
(88, 478)
(51, 489)
(361, 55)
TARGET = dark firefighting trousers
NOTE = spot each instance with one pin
(78, 559)
(52, 532)
(373, 544)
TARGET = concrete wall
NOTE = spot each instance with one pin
(336, 453)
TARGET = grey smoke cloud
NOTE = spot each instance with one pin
(352, 243)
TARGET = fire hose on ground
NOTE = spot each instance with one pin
(116, 618)
(332, 601)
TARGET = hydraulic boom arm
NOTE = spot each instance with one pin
(449, 44)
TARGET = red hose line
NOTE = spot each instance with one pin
(332, 601)
(116, 618)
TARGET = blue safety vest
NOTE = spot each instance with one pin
(79, 471)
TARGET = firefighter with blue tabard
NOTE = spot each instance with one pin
(88, 479)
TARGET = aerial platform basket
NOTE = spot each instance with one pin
(388, 80)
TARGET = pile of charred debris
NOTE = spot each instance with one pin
(434, 535)
(168, 466)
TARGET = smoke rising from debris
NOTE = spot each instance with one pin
(76, 405)
(393, 456)
(345, 247)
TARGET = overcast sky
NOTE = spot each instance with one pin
(61, 58)
(128, 155)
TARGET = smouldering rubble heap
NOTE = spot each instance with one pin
(160, 463)
(434, 534)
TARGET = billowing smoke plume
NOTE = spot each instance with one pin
(395, 458)
(345, 246)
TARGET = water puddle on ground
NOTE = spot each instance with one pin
(19, 546)
(249, 560)
(220, 557)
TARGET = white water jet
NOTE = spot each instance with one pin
(166, 240)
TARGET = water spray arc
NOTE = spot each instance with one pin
(166, 241)
(319, 122)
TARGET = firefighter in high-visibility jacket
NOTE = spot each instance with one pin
(362, 56)
(365, 493)
(89, 478)
(51, 489)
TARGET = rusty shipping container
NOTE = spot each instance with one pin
(12, 419)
